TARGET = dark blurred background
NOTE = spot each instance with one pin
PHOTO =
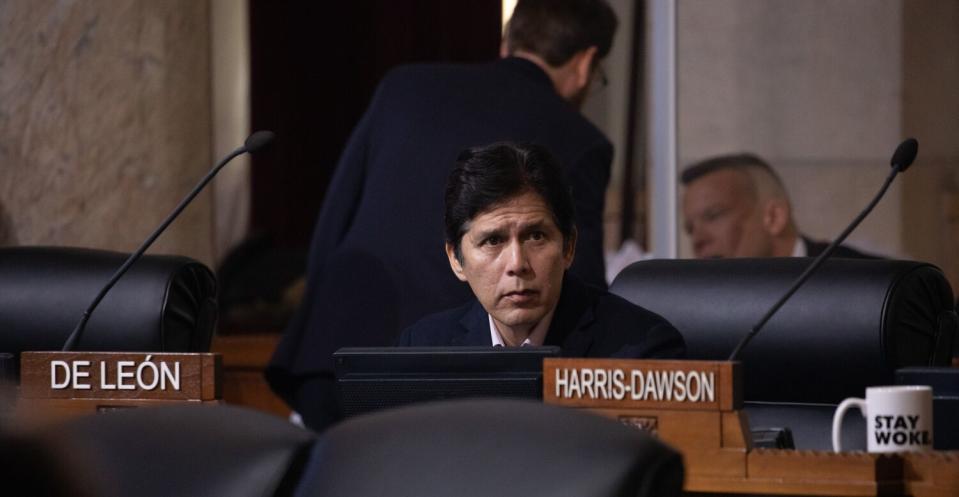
(314, 68)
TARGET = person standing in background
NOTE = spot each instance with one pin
(376, 263)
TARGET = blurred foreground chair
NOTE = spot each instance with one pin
(468, 448)
(163, 303)
(850, 326)
(486, 447)
(185, 450)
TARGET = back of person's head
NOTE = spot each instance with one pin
(555, 30)
(487, 176)
(763, 180)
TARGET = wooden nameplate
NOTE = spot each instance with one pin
(696, 407)
(58, 384)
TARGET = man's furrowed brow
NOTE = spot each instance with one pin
(534, 225)
(482, 234)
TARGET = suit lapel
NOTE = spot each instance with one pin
(476, 324)
(574, 315)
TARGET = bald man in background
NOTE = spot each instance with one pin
(736, 206)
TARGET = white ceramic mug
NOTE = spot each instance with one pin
(898, 418)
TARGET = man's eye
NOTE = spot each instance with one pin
(537, 235)
(492, 240)
(713, 215)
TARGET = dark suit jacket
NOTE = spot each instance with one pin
(588, 322)
(814, 248)
(377, 262)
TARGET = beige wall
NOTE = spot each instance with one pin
(930, 80)
(230, 74)
(104, 122)
(607, 109)
(825, 89)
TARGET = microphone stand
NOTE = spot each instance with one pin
(896, 168)
(253, 142)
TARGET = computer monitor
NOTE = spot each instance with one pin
(371, 378)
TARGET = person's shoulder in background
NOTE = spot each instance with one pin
(436, 330)
(643, 333)
(814, 248)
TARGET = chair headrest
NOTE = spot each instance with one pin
(850, 326)
(170, 450)
(163, 303)
(485, 447)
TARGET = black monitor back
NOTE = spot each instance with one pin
(372, 378)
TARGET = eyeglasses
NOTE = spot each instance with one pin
(600, 76)
(599, 79)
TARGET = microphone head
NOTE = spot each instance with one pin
(258, 140)
(905, 153)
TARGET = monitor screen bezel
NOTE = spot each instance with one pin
(358, 368)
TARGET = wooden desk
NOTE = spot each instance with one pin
(712, 432)
(245, 357)
(932, 474)
(815, 473)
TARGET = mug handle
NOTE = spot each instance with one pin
(837, 418)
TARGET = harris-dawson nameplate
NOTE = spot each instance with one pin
(642, 384)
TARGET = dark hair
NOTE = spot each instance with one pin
(486, 176)
(732, 161)
(557, 29)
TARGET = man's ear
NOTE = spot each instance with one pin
(776, 216)
(583, 66)
(569, 251)
(455, 263)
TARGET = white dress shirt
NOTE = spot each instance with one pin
(536, 337)
(799, 249)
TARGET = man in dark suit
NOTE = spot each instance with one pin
(376, 263)
(736, 206)
(510, 236)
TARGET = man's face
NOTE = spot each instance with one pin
(722, 217)
(513, 258)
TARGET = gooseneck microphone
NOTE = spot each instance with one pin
(902, 158)
(253, 143)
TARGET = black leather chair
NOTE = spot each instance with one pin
(485, 447)
(851, 326)
(465, 448)
(163, 451)
(163, 303)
